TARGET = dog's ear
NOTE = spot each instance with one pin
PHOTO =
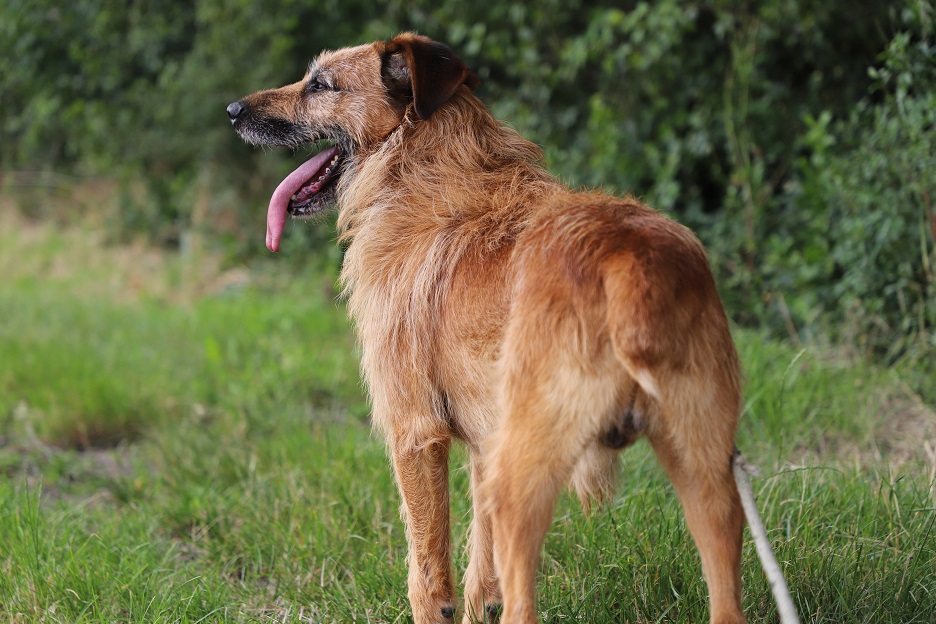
(428, 70)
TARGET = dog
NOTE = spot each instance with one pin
(545, 328)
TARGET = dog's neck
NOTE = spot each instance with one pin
(425, 198)
(443, 166)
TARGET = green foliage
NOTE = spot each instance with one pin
(856, 247)
(757, 124)
(139, 91)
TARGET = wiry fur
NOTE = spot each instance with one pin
(544, 328)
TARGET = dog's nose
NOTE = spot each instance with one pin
(235, 110)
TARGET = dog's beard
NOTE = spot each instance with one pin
(306, 191)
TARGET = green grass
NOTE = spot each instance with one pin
(174, 450)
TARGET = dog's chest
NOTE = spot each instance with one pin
(434, 328)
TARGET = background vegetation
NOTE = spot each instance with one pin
(797, 136)
(182, 434)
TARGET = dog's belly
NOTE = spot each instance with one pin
(474, 317)
(471, 401)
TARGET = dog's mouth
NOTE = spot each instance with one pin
(305, 192)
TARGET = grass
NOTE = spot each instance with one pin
(184, 443)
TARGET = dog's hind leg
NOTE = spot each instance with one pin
(707, 490)
(553, 410)
(528, 470)
(482, 592)
(422, 476)
(671, 335)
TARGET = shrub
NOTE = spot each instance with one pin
(861, 254)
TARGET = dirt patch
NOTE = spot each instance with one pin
(89, 476)
(906, 431)
(903, 437)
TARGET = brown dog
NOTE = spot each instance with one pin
(546, 329)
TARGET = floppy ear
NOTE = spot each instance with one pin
(430, 69)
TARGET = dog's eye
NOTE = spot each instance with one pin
(317, 86)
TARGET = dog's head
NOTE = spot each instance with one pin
(349, 100)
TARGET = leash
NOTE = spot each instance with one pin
(778, 586)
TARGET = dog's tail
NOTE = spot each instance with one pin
(785, 607)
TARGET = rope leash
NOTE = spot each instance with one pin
(778, 586)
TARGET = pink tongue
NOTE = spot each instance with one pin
(279, 203)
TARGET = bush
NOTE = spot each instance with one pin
(757, 124)
(861, 255)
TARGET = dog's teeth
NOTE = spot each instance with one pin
(327, 170)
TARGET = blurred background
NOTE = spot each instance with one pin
(796, 136)
(183, 434)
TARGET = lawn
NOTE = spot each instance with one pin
(182, 441)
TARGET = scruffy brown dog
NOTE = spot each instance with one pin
(545, 328)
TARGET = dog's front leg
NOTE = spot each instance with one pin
(422, 476)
